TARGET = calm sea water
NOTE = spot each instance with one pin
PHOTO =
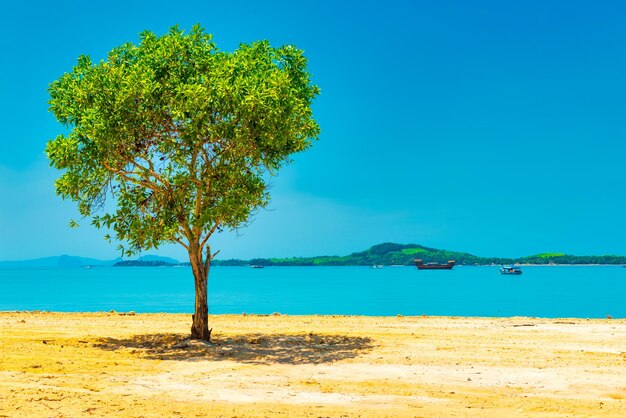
(585, 292)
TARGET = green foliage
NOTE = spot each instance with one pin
(386, 254)
(413, 251)
(549, 255)
(385, 248)
(181, 136)
(560, 258)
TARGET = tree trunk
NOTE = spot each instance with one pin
(200, 320)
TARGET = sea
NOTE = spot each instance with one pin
(541, 291)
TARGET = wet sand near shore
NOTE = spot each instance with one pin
(112, 364)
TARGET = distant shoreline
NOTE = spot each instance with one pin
(187, 265)
(386, 254)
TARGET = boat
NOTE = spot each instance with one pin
(433, 266)
(510, 270)
(257, 266)
(377, 266)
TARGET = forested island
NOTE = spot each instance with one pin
(403, 254)
(386, 254)
(144, 263)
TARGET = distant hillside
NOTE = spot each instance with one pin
(386, 254)
(404, 254)
(68, 261)
(149, 261)
(559, 258)
(59, 261)
(150, 257)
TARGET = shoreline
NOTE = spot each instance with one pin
(119, 364)
(89, 266)
(287, 315)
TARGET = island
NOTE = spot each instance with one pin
(390, 254)
(385, 254)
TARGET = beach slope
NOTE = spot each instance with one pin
(112, 364)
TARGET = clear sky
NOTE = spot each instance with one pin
(492, 127)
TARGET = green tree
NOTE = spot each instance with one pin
(181, 137)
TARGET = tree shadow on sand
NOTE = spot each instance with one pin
(248, 348)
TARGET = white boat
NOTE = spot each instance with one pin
(510, 270)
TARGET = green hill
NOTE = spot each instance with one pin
(386, 254)
(560, 258)
(403, 254)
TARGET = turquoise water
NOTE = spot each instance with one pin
(585, 292)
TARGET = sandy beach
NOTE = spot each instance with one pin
(115, 364)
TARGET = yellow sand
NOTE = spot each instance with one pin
(108, 364)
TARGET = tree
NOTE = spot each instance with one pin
(182, 137)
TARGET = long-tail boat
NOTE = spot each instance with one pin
(433, 266)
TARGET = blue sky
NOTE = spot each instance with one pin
(490, 127)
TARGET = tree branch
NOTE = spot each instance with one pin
(194, 176)
(127, 175)
(204, 241)
(186, 230)
(207, 261)
(149, 171)
(181, 243)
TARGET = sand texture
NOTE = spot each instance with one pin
(111, 364)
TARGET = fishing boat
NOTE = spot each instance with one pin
(510, 270)
(433, 266)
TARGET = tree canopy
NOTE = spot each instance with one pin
(181, 136)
